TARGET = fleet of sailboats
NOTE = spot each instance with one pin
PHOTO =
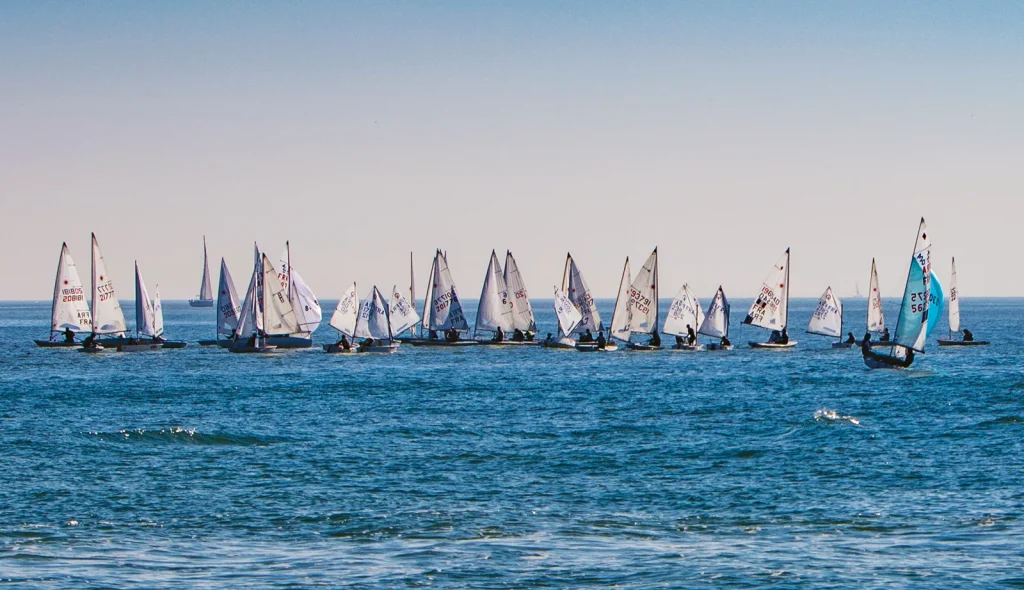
(280, 310)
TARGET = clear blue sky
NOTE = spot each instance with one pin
(722, 132)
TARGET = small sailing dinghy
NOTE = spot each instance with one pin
(107, 318)
(444, 316)
(771, 308)
(265, 311)
(643, 306)
(569, 317)
(373, 325)
(876, 314)
(205, 298)
(344, 319)
(684, 318)
(304, 304)
(716, 322)
(621, 316)
(228, 309)
(70, 313)
(954, 318)
(146, 331)
(576, 289)
(828, 319)
(494, 314)
(912, 323)
(522, 311)
(402, 313)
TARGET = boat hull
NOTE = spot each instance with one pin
(508, 343)
(879, 361)
(290, 341)
(842, 345)
(200, 302)
(562, 344)
(93, 350)
(143, 347)
(245, 349)
(457, 343)
(57, 344)
(773, 345)
(209, 342)
(946, 342)
(717, 346)
(174, 344)
(688, 347)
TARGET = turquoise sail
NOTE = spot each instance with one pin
(912, 325)
(936, 303)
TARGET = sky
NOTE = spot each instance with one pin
(721, 132)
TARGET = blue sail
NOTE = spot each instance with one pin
(911, 326)
(936, 303)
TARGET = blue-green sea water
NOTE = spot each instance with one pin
(507, 467)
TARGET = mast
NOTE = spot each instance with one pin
(412, 291)
(926, 280)
(288, 249)
(56, 289)
(786, 321)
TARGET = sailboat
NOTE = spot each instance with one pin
(412, 293)
(147, 332)
(266, 312)
(954, 317)
(494, 310)
(70, 313)
(569, 317)
(107, 317)
(304, 304)
(771, 308)
(522, 311)
(374, 324)
(576, 288)
(205, 298)
(442, 311)
(876, 315)
(344, 318)
(684, 316)
(828, 319)
(716, 322)
(913, 320)
(228, 308)
(643, 305)
(402, 313)
(621, 315)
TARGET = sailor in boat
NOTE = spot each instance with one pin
(885, 336)
(452, 335)
(518, 336)
(655, 339)
(90, 341)
(777, 337)
(725, 342)
(968, 336)
(432, 335)
(365, 345)
(679, 341)
(691, 336)
(587, 336)
(344, 344)
(69, 336)
(601, 342)
(850, 339)
(530, 336)
(547, 341)
(499, 335)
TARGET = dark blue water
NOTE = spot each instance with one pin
(512, 468)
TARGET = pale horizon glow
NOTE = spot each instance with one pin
(722, 133)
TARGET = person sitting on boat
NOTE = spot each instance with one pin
(530, 336)
(775, 337)
(968, 337)
(691, 336)
(499, 335)
(90, 341)
(785, 337)
(365, 345)
(452, 335)
(432, 335)
(865, 344)
(885, 335)
(547, 341)
(517, 335)
(655, 339)
(587, 336)
(344, 344)
(69, 336)
(850, 339)
(679, 341)
(725, 341)
(252, 341)
(601, 342)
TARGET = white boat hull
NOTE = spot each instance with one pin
(141, 347)
(200, 302)
(688, 347)
(773, 345)
(562, 343)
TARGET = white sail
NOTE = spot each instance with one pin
(912, 324)
(428, 299)
(621, 315)
(446, 308)
(107, 317)
(576, 288)
(954, 302)
(345, 313)
(251, 318)
(876, 316)
(70, 310)
(412, 291)
(144, 321)
(494, 309)
(828, 316)
(373, 317)
(307, 309)
(228, 308)
(522, 311)
(568, 314)
(771, 308)
(205, 289)
(278, 316)
(716, 322)
(158, 314)
(684, 311)
(403, 314)
(643, 298)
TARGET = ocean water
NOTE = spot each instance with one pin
(512, 468)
